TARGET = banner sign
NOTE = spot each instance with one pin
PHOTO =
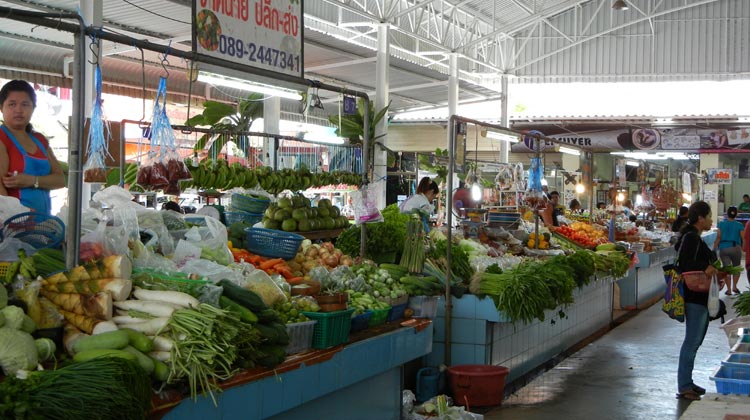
(645, 139)
(265, 34)
(718, 176)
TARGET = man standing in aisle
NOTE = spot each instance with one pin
(744, 206)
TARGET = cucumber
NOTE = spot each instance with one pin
(161, 370)
(110, 340)
(144, 361)
(97, 353)
(245, 314)
(139, 340)
(244, 297)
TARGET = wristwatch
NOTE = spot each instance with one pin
(36, 182)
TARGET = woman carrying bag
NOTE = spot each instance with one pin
(694, 255)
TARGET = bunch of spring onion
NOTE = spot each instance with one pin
(413, 256)
(207, 344)
(105, 388)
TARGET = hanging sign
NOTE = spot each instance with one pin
(265, 34)
(718, 176)
(350, 105)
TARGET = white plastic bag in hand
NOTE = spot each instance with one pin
(713, 298)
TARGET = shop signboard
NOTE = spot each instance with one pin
(264, 34)
(646, 140)
(718, 176)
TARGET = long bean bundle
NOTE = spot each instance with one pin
(104, 388)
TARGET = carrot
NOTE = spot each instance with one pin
(295, 280)
(267, 265)
(284, 271)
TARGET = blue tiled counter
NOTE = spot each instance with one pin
(368, 372)
(481, 335)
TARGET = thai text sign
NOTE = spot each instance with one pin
(718, 176)
(265, 34)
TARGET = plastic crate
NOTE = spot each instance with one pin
(272, 243)
(396, 312)
(740, 348)
(379, 316)
(332, 328)
(4, 266)
(732, 380)
(242, 202)
(242, 216)
(300, 336)
(424, 306)
(737, 360)
(361, 321)
(37, 230)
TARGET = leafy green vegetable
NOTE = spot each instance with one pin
(390, 234)
(17, 351)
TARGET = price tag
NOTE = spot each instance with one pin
(350, 105)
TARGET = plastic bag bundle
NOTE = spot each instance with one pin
(366, 203)
(713, 298)
(95, 169)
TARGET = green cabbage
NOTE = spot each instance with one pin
(13, 317)
(17, 351)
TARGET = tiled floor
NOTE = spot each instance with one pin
(629, 373)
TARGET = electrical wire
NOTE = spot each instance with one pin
(155, 14)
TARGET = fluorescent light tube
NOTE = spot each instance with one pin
(569, 151)
(249, 86)
(632, 163)
(502, 136)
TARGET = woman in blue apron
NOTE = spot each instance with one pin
(28, 167)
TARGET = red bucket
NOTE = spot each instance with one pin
(477, 385)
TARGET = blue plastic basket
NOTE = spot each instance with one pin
(242, 202)
(361, 321)
(272, 243)
(37, 230)
(741, 360)
(732, 380)
(242, 216)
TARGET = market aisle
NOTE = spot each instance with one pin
(629, 373)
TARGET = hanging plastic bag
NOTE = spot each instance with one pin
(366, 203)
(95, 169)
(713, 298)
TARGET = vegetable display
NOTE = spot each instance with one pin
(109, 387)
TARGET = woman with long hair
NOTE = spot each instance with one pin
(694, 255)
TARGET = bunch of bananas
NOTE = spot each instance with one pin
(24, 266)
(219, 175)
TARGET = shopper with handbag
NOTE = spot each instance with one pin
(694, 255)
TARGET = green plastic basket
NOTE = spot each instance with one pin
(379, 316)
(331, 329)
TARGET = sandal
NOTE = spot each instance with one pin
(737, 291)
(689, 395)
(728, 292)
(699, 390)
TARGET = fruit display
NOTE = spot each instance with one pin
(543, 241)
(296, 214)
(583, 234)
(219, 175)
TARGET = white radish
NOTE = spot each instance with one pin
(150, 307)
(162, 356)
(126, 319)
(177, 298)
(162, 343)
(104, 326)
(152, 326)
